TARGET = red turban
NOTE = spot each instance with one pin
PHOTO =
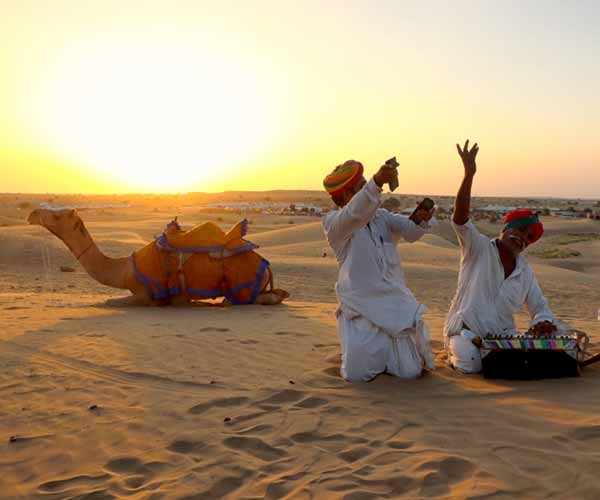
(524, 217)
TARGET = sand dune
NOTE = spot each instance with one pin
(297, 233)
(105, 401)
(11, 221)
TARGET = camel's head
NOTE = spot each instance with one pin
(59, 222)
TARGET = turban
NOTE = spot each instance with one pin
(524, 217)
(343, 177)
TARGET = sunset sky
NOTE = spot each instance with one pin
(176, 96)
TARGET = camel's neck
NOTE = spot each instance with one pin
(106, 270)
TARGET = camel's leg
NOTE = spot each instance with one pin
(275, 296)
(129, 300)
(179, 300)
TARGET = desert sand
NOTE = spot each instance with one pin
(102, 400)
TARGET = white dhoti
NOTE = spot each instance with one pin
(367, 350)
(379, 318)
(463, 355)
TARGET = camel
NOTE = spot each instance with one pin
(178, 271)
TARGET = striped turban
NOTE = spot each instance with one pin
(343, 177)
(524, 217)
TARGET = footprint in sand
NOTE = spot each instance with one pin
(124, 465)
(586, 433)
(255, 447)
(64, 485)
(222, 487)
(134, 466)
(339, 411)
(400, 445)
(354, 454)
(380, 427)
(294, 334)
(443, 473)
(134, 482)
(386, 458)
(365, 470)
(434, 484)
(284, 397)
(186, 446)
(218, 403)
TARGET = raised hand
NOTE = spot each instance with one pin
(387, 173)
(468, 157)
(462, 203)
(422, 212)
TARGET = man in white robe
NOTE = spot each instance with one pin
(380, 324)
(494, 281)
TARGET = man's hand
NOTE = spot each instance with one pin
(468, 158)
(462, 203)
(386, 173)
(542, 328)
(421, 214)
(392, 162)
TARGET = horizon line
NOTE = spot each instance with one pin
(312, 191)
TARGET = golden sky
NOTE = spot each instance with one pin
(176, 96)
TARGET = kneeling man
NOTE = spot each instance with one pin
(494, 281)
(380, 324)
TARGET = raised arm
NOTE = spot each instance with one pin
(462, 203)
(340, 225)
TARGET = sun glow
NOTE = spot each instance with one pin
(154, 118)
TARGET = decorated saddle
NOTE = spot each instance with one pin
(202, 263)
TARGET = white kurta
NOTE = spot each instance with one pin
(485, 302)
(379, 318)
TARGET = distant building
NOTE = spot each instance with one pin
(594, 215)
(570, 213)
(498, 209)
(586, 203)
(269, 207)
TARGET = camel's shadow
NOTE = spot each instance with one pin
(133, 301)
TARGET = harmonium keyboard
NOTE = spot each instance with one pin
(527, 356)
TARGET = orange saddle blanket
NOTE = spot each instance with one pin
(204, 262)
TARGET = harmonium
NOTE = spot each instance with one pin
(526, 356)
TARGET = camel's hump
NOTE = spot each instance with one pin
(207, 235)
